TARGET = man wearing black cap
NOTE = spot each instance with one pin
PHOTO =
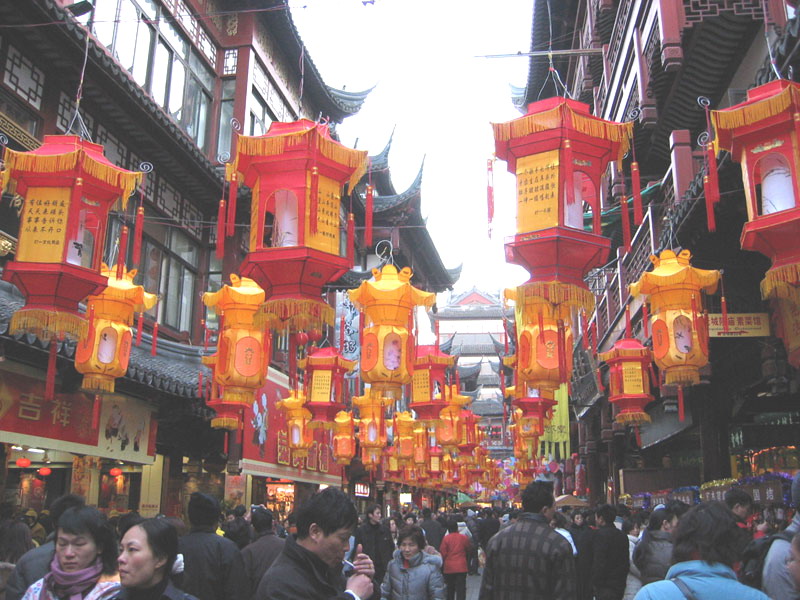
(262, 552)
(213, 568)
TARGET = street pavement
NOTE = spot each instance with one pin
(473, 586)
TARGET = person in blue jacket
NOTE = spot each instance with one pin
(704, 552)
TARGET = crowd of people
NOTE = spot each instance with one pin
(327, 551)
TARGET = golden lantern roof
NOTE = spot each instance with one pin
(122, 298)
(672, 278)
(390, 298)
(239, 301)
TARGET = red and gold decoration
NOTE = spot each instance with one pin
(344, 438)
(679, 328)
(325, 369)
(296, 172)
(103, 353)
(558, 152)
(298, 423)
(243, 349)
(761, 133)
(450, 427)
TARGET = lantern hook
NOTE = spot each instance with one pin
(703, 138)
(235, 124)
(387, 254)
(703, 102)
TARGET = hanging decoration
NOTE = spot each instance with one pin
(679, 328)
(296, 172)
(430, 389)
(243, 350)
(344, 438)
(325, 369)
(102, 354)
(761, 133)
(558, 152)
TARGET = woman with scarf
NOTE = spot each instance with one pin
(84, 566)
(147, 560)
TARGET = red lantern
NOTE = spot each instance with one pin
(115, 472)
(429, 383)
(762, 134)
(23, 463)
(325, 371)
(45, 471)
(629, 380)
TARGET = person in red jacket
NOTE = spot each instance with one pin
(454, 550)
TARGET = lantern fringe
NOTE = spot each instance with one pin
(229, 423)
(47, 323)
(57, 163)
(781, 282)
(530, 297)
(753, 113)
(623, 352)
(563, 115)
(654, 283)
(682, 376)
(294, 313)
(633, 418)
(98, 384)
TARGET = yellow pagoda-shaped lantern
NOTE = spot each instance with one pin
(103, 353)
(680, 332)
(404, 437)
(344, 438)
(298, 423)
(242, 358)
(325, 370)
(450, 426)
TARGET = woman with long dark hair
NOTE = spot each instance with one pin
(15, 540)
(84, 565)
(147, 555)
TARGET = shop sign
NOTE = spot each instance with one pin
(714, 494)
(127, 429)
(361, 489)
(739, 325)
(767, 492)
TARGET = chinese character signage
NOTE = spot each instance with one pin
(326, 237)
(44, 220)
(739, 325)
(537, 191)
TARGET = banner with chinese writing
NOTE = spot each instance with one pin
(265, 448)
(739, 325)
(556, 433)
(537, 191)
(65, 423)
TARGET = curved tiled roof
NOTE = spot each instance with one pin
(409, 200)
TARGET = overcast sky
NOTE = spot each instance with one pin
(440, 98)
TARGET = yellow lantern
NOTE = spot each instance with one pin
(391, 466)
(301, 436)
(242, 358)
(405, 438)
(421, 443)
(450, 428)
(429, 388)
(371, 425)
(344, 438)
(103, 353)
(679, 330)
(387, 359)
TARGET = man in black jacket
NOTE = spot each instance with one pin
(310, 566)
(213, 568)
(610, 556)
(262, 552)
(376, 542)
(434, 532)
(35, 564)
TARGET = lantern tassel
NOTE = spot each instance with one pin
(628, 330)
(490, 193)
(681, 413)
(50, 381)
(712, 197)
(220, 252)
(562, 352)
(233, 193)
(645, 320)
(154, 344)
(600, 385)
(368, 216)
(626, 224)
(351, 238)
(137, 236)
(139, 329)
(96, 406)
(312, 213)
(636, 183)
(593, 331)
(121, 251)
(584, 330)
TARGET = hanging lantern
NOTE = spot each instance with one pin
(680, 332)
(421, 443)
(430, 383)
(344, 438)
(23, 463)
(629, 365)
(435, 460)
(761, 133)
(45, 471)
(69, 188)
(296, 172)
(372, 425)
(102, 354)
(404, 437)
(391, 466)
(243, 349)
(325, 370)
(115, 472)
(298, 423)
(450, 427)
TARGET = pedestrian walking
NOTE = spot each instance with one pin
(455, 551)
(259, 556)
(777, 582)
(84, 565)
(529, 560)
(434, 532)
(703, 555)
(413, 574)
(632, 527)
(310, 566)
(15, 540)
(376, 542)
(213, 567)
(147, 556)
(653, 554)
(610, 558)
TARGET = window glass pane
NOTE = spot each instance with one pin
(177, 80)
(158, 86)
(105, 15)
(150, 271)
(153, 227)
(173, 37)
(187, 301)
(228, 89)
(125, 44)
(144, 40)
(204, 74)
(182, 246)
(225, 116)
(171, 283)
(202, 120)
(149, 8)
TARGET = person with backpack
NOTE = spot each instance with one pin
(704, 553)
(776, 581)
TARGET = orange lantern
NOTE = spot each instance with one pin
(450, 427)
(23, 463)
(115, 472)
(103, 353)
(242, 358)
(298, 417)
(372, 425)
(344, 438)
(325, 371)
(391, 466)
(45, 471)
(404, 437)
(429, 389)
(761, 133)
(679, 330)
(435, 461)
(421, 444)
